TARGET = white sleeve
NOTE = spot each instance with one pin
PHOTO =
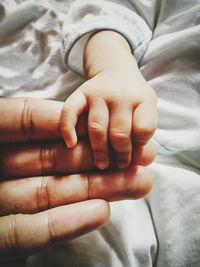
(86, 16)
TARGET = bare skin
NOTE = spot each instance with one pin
(47, 192)
(121, 105)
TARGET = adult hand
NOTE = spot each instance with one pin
(37, 211)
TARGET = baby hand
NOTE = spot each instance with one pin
(121, 110)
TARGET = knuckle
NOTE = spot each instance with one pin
(53, 237)
(97, 128)
(142, 135)
(89, 178)
(46, 158)
(145, 131)
(119, 138)
(42, 198)
(12, 238)
(27, 125)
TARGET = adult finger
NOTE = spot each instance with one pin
(44, 158)
(31, 195)
(22, 235)
(144, 122)
(48, 158)
(120, 134)
(25, 119)
(73, 107)
(98, 121)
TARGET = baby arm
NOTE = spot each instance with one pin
(121, 105)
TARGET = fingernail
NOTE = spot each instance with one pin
(102, 165)
(70, 143)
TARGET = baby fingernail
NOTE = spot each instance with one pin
(102, 165)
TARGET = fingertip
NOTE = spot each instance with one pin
(70, 138)
(143, 133)
(102, 165)
(90, 214)
(133, 183)
(71, 143)
(143, 184)
(73, 220)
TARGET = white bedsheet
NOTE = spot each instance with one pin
(162, 229)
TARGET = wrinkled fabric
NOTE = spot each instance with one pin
(31, 50)
(39, 37)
